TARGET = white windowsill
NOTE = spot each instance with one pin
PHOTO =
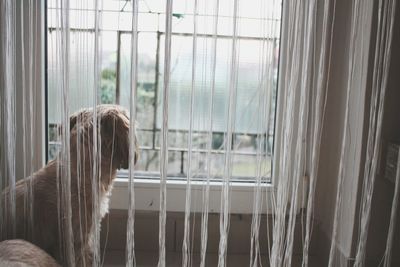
(147, 196)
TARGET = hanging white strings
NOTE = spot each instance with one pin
(186, 251)
(361, 12)
(393, 216)
(15, 17)
(265, 88)
(58, 74)
(355, 19)
(226, 180)
(288, 171)
(96, 139)
(8, 208)
(80, 55)
(380, 76)
(289, 165)
(164, 135)
(300, 150)
(28, 113)
(64, 164)
(130, 245)
(206, 192)
(35, 34)
(24, 115)
(317, 119)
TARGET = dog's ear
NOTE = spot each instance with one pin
(115, 133)
(72, 121)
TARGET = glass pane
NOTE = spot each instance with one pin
(145, 138)
(181, 85)
(147, 47)
(255, 86)
(253, 92)
(246, 143)
(255, 83)
(108, 80)
(149, 161)
(245, 167)
(81, 73)
(176, 164)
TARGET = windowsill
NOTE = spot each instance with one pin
(147, 195)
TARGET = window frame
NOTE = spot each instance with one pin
(147, 192)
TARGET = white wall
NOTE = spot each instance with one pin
(333, 134)
(384, 190)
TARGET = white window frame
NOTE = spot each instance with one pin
(147, 191)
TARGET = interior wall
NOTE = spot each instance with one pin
(146, 236)
(332, 133)
(332, 136)
(330, 153)
(333, 125)
(384, 189)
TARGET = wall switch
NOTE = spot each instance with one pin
(391, 162)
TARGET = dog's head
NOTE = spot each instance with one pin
(113, 132)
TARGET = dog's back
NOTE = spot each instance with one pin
(20, 253)
(43, 205)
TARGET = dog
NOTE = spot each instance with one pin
(113, 134)
(20, 253)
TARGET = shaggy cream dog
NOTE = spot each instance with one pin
(113, 127)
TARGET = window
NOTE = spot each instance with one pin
(258, 32)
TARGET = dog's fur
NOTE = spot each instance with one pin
(113, 127)
(20, 253)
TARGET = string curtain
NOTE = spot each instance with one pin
(288, 96)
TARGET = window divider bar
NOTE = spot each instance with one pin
(117, 83)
